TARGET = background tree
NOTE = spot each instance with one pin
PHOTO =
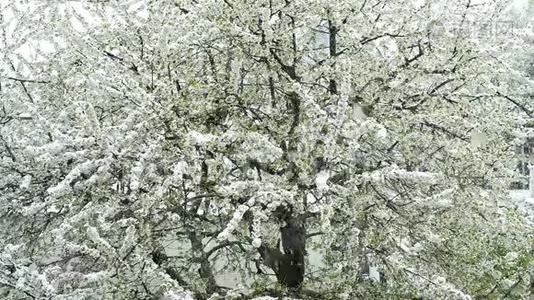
(159, 144)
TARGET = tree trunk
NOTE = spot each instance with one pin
(289, 265)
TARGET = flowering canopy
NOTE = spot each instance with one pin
(151, 148)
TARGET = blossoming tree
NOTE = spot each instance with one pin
(151, 148)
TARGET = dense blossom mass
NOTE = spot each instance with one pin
(234, 149)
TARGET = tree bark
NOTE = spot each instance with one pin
(288, 266)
